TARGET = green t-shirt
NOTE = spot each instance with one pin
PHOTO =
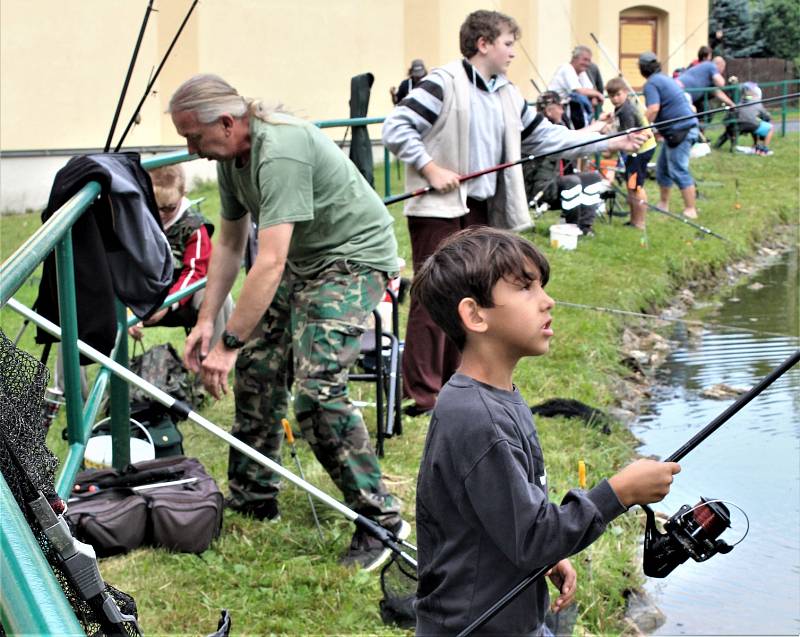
(296, 174)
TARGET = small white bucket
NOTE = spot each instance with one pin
(564, 236)
(98, 449)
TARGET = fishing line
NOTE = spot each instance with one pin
(421, 191)
(672, 215)
(150, 84)
(704, 325)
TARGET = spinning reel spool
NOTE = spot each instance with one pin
(691, 532)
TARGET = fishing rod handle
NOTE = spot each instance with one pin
(770, 378)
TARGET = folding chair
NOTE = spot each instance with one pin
(380, 364)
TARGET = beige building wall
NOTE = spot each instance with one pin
(63, 62)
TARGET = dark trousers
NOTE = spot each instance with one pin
(429, 357)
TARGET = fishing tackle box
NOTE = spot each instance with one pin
(167, 502)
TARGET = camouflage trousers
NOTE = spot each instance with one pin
(317, 322)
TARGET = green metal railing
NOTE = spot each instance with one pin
(365, 121)
(31, 600)
(735, 93)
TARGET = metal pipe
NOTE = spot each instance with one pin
(31, 600)
(67, 312)
(385, 536)
(20, 265)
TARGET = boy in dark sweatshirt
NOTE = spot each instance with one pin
(484, 521)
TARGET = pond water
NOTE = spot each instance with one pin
(753, 460)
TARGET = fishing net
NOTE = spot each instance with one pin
(399, 587)
(29, 468)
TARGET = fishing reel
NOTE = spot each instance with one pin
(691, 532)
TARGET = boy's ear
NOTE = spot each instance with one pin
(471, 316)
(483, 44)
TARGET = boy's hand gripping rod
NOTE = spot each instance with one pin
(421, 191)
(386, 537)
(699, 437)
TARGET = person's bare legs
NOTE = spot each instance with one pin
(638, 201)
(689, 197)
(663, 200)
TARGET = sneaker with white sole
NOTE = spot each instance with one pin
(368, 552)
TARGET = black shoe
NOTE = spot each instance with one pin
(262, 510)
(367, 552)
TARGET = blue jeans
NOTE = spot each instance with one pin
(672, 166)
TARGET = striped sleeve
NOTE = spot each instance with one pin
(411, 120)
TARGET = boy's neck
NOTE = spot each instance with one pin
(482, 66)
(487, 366)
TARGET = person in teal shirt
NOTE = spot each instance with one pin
(326, 251)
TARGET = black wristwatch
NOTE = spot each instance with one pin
(231, 341)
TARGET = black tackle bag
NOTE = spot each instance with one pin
(168, 502)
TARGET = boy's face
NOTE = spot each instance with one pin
(520, 321)
(618, 98)
(498, 54)
(554, 113)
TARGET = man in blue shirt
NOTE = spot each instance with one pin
(705, 75)
(665, 100)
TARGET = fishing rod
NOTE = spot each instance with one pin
(389, 539)
(128, 75)
(686, 536)
(667, 213)
(672, 215)
(426, 189)
(150, 84)
(719, 326)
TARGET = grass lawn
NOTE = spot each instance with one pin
(279, 578)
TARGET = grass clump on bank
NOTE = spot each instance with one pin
(279, 578)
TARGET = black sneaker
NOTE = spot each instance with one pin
(263, 510)
(368, 552)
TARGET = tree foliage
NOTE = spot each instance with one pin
(768, 28)
(779, 26)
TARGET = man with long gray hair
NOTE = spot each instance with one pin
(326, 252)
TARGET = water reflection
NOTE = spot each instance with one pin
(752, 461)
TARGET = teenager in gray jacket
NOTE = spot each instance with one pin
(464, 117)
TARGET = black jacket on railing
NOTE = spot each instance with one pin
(119, 247)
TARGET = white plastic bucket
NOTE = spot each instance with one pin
(98, 449)
(564, 236)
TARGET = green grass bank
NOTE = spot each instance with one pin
(279, 578)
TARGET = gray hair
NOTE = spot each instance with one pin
(578, 50)
(210, 97)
